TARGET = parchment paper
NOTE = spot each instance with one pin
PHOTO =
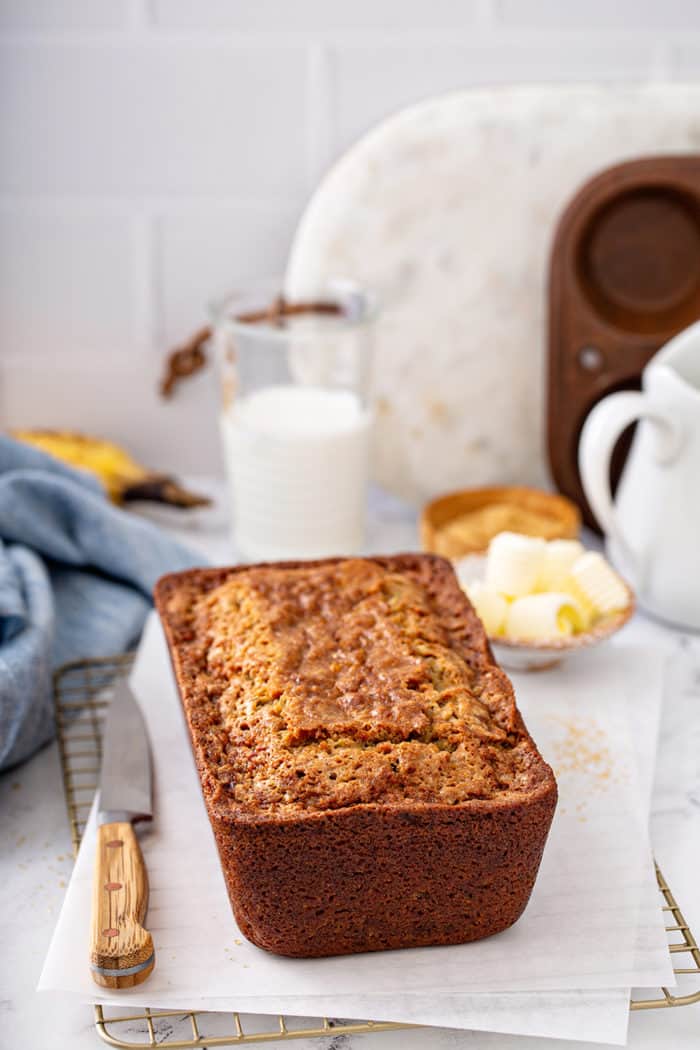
(593, 927)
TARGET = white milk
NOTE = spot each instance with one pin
(297, 459)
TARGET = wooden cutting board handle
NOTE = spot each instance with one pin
(121, 950)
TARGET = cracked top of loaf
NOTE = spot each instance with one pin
(316, 686)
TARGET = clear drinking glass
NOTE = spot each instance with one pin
(295, 419)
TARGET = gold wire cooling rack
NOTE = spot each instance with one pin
(82, 692)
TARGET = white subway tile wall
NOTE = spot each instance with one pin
(70, 274)
(395, 75)
(152, 116)
(63, 15)
(156, 152)
(686, 61)
(202, 254)
(661, 15)
(315, 16)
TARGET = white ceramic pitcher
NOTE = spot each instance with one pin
(653, 528)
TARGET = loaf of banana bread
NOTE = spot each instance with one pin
(368, 777)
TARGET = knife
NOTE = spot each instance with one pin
(121, 950)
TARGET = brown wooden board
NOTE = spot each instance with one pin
(624, 278)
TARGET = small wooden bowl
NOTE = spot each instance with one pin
(561, 519)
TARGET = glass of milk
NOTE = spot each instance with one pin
(295, 420)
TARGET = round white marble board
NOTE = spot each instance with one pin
(447, 210)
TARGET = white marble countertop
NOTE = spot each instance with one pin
(36, 859)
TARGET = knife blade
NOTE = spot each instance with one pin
(121, 949)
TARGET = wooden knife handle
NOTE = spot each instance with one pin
(121, 950)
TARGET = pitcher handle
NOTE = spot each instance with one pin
(600, 432)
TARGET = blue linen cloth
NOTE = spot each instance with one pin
(76, 575)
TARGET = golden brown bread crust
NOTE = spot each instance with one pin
(368, 777)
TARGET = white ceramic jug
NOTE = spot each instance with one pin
(653, 528)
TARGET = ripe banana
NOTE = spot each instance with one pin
(122, 477)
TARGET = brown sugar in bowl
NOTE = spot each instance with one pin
(464, 522)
